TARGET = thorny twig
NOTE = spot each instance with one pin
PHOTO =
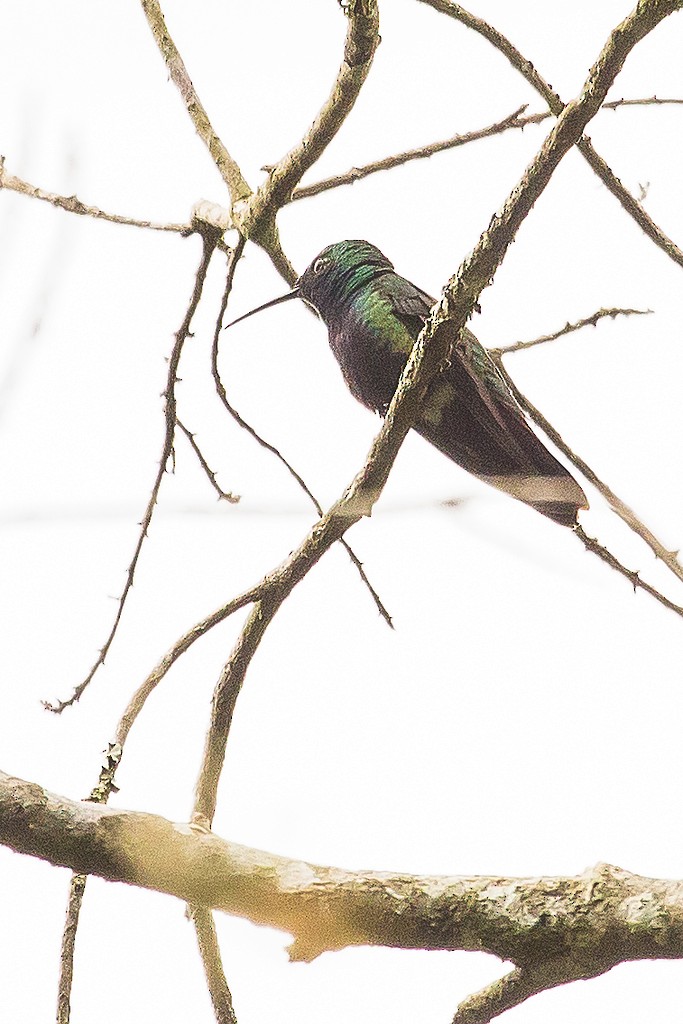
(588, 321)
(222, 495)
(166, 451)
(72, 204)
(512, 121)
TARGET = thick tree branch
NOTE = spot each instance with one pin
(586, 924)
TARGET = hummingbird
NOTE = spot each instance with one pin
(373, 317)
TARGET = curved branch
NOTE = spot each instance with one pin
(362, 38)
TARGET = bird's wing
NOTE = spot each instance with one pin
(412, 305)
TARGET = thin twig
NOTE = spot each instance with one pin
(221, 997)
(652, 13)
(74, 205)
(222, 394)
(222, 495)
(513, 121)
(106, 784)
(66, 959)
(588, 321)
(670, 558)
(631, 575)
(208, 246)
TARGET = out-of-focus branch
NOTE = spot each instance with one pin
(207, 939)
(647, 15)
(74, 205)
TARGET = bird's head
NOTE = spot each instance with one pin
(332, 277)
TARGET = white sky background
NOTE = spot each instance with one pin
(524, 717)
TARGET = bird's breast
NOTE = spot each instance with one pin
(371, 346)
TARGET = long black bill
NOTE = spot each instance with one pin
(294, 294)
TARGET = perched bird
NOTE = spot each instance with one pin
(373, 316)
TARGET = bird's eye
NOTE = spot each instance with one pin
(319, 265)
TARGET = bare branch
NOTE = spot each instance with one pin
(66, 960)
(670, 558)
(74, 205)
(477, 270)
(645, 17)
(222, 495)
(513, 120)
(631, 575)
(228, 168)
(209, 949)
(257, 219)
(209, 243)
(431, 347)
(586, 923)
(589, 321)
